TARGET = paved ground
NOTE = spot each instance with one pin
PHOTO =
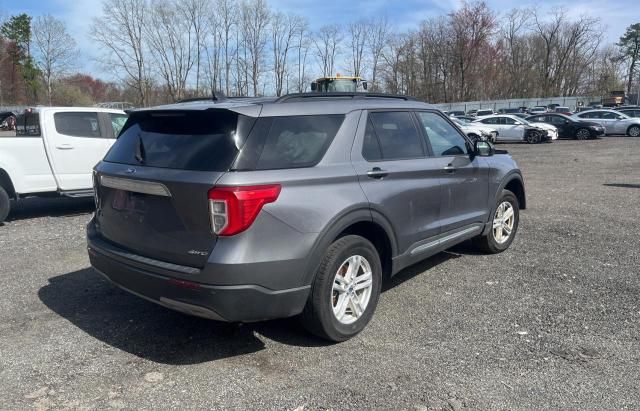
(552, 323)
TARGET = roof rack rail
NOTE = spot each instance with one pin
(300, 96)
(218, 96)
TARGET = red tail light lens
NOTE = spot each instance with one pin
(234, 209)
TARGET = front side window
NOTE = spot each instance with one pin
(445, 140)
(78, 124)
(391, 136)
(507, 120)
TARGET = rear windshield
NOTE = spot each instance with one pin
(207, 140)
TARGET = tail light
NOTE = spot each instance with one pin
(234, 209)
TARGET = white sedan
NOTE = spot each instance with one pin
(514, 128)
(477, 130)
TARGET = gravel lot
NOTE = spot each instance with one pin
(552, 323)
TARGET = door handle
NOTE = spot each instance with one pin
(377, 172)
(64, 147)
(449, 168)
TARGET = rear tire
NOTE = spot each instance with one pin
(503, 228)
(5, 205)
(583, 134)
(334, 288)
(634, 131)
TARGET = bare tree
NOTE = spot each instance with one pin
(283, 30)
(196, 12)
(377, 38)
(173, 43)
(255, 19)
(227, 23)
(120, 33)
(358, 32)
(55, 49)
(302, 48)
(327, 41)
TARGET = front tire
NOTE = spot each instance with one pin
(504, 225)
(534, 137)
(583, 134)
(634, 131)
(5, 205)
(345, 291)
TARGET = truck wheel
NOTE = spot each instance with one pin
(345, 291)
(506, 218)
(5, 205)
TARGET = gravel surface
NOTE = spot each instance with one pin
(553, 323)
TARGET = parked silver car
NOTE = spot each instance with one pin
(614, 122)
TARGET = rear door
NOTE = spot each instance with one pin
(75, 143)
(464, 179)
(152, 187)
(398, 179)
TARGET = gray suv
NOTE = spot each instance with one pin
(253, 209)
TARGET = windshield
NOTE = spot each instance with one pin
(338, 85)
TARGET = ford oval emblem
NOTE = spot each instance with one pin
(131, 170)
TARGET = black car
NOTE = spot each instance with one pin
(569, 127)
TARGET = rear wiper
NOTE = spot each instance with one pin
(140, 153)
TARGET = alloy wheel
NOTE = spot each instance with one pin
(352, 287)
(583, 134)
(503, 222)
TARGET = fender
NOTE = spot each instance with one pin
(25, 162)
(350, 216)
(509, 177)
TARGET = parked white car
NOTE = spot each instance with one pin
(514, 128)
(477, 130)
(614, 122)
(53, 151)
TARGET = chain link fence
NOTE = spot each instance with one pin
(571, 102)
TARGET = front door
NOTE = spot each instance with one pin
(464, 178)
(75, 143)
(398, 179)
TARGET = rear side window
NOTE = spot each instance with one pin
(77, 124)
(391, 136)
(289, 142)
(28, 125)
(492, 120)
(207, 140)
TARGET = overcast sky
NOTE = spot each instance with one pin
(616, 15)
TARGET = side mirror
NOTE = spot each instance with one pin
(483, 148)
(314, 86)
(364, 85)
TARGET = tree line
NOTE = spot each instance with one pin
(162, 51)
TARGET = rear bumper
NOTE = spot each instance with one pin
(233, 303)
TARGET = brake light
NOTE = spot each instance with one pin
(234, 209)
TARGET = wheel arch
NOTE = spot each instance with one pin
(630, 127)
(515, 184)
(364, 222)
(7, 184)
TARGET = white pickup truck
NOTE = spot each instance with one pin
(53, 150)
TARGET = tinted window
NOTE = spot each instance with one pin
(395, 134)
(609, 115)
(189, 140)
(537, 119)
(507, 120)
(28, 124)
(77, 124)
(492, 120)
(557, 120)
(297, 141)
(117, 122)
(445, 140)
